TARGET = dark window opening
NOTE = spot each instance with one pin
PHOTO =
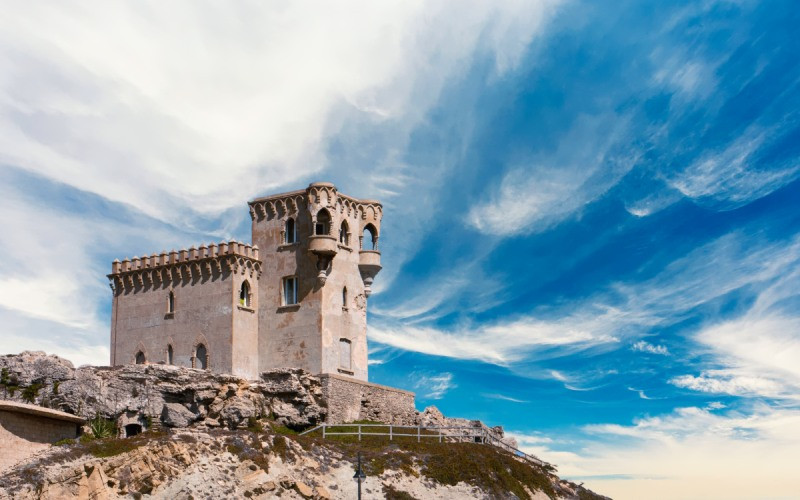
(169, 354)
(291, 233)
(344, 234)
(344, 297)
(323, 224)
(171, 303)
(289, 291)
(140, 359)
(201, 355)
(369, 238)
(244, 295)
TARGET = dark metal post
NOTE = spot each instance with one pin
(359, 475)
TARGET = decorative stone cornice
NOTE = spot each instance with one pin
(320, 194)
(166, 267)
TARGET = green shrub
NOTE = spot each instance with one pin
(55, 386)
(102, 428)
(30, 393)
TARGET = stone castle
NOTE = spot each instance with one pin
(295, 298)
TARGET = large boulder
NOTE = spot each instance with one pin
(177, 415)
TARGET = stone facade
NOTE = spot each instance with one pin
(27, 429)
(350, 400)
(296, 298)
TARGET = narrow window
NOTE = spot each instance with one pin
(344, 298)
(140, 359)
(369, 238)
(344, 354)
(289, 291)
(169, 354)
(171, 303)
(244, 294)
(290, 235)
(323, 222)
(344, 234)
(201, 355)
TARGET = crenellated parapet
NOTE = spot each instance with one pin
(315, 197)
(166, 267)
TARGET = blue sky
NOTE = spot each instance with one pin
(591, 208)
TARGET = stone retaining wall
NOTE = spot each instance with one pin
(350, 400)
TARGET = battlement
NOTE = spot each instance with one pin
(163, 267)
(323, 194)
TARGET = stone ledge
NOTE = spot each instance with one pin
(39, 411)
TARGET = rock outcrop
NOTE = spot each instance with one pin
(174, 396)
(182, 464)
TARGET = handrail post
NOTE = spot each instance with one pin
(359, 432)
(323, 431)
(390, 432)
(440, 435)
(419, 432)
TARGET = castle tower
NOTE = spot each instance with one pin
(319, 255)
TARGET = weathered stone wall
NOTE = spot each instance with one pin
(22, 435)
(350, 400)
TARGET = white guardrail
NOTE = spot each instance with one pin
(442, 434)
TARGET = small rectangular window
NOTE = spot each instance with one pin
(289, 291)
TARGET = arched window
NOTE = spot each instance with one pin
(170, 302)
(140, 359)
(323, 225)
(290, 232)
(201, 357)
(244, 294)
(345, 349)
(169, 355)
(344, 298)
(369, 238)
(344, 233)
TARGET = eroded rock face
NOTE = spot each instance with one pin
(175, 396)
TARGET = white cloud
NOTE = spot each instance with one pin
(733, 174)
(689, 453)
(499, 343)
(642, 346)
(623, 310)
(551, 187)
(433, 386)
(197, 105)
(503, 397)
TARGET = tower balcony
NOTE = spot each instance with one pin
(324, 247)
(369, 265)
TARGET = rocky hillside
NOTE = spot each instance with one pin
(217, 436)
(268, 461)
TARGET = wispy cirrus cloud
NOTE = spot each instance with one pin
(433, 386)
(643, 346)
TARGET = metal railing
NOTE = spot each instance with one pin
(442, 434)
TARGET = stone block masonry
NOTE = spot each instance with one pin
(350, 400)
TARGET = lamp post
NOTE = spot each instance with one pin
(359, 475)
